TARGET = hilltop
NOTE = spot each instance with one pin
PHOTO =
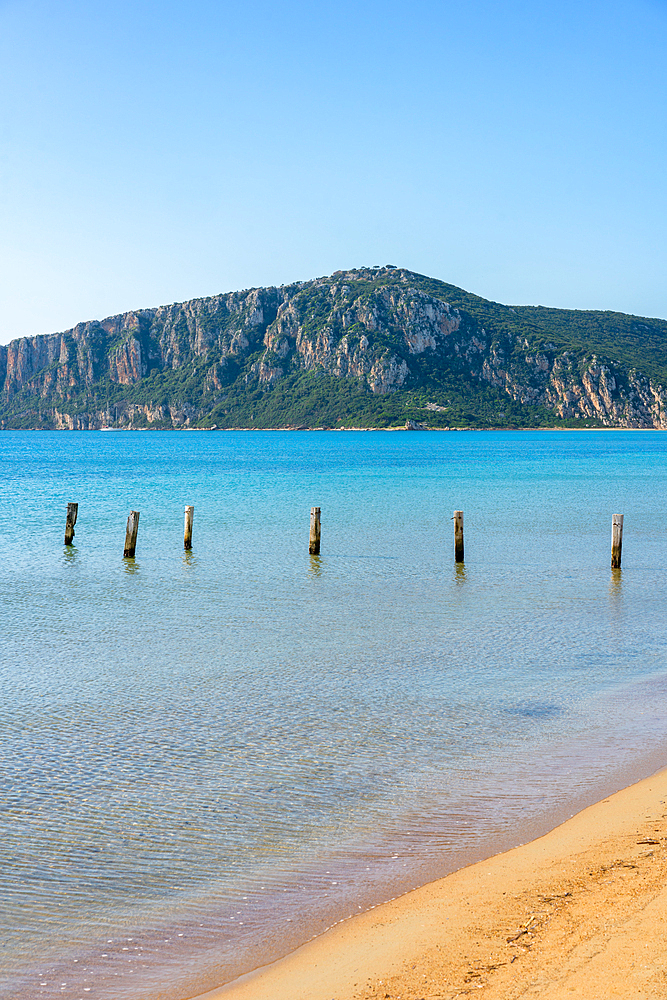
(372, 347)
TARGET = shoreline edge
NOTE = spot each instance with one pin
(581, 910)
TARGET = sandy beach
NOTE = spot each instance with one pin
(580, 912)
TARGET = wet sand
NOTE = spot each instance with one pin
(580, 912)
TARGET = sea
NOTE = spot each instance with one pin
(207, 757)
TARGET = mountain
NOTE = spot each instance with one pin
(372, 347)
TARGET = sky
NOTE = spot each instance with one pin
(152, 153)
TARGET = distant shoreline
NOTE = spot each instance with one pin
(438, 430)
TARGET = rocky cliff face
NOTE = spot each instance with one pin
(239, 357)
(578, 388)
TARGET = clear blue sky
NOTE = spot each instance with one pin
(151, 153)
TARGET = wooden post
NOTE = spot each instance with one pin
(131, 534)
(315, 531)
(458, 536)
(616, 540)
(187, 536)
(72, 511)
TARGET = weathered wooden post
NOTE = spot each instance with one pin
(458, 536)
(315, 531)
(131, 534)
(616, 540)
(187, 535)
(72, 511)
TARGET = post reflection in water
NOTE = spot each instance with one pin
(130, 565)
(315, 568)
(188, 559)
(616, 586)
(460, 574)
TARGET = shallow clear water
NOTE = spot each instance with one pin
(207, 757)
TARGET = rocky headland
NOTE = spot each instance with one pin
(373, 347)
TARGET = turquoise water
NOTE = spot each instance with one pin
(207, 757)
